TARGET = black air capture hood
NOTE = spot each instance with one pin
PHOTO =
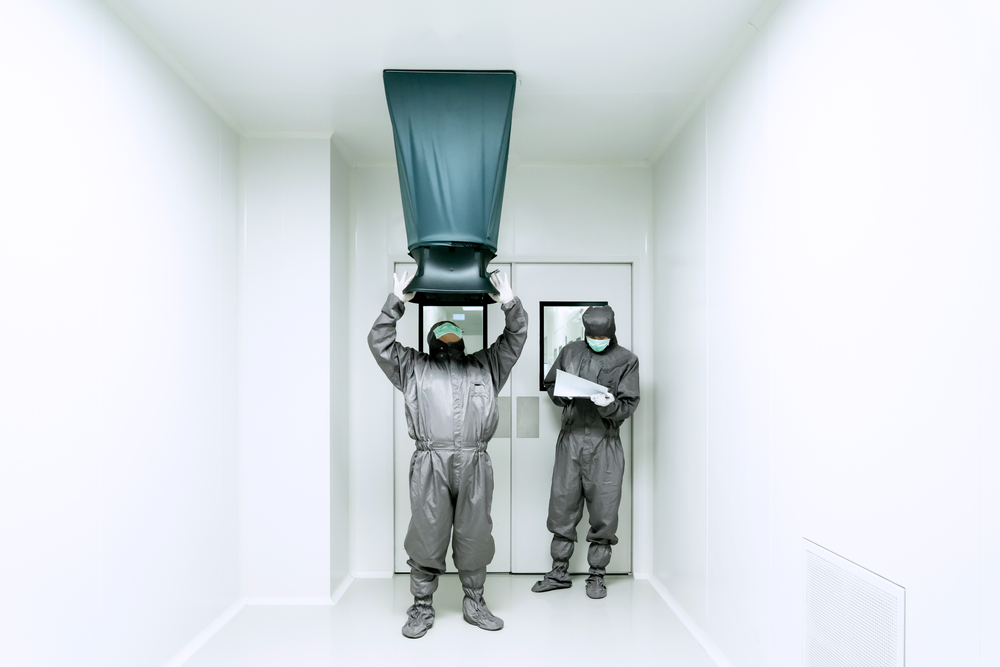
(452, 134)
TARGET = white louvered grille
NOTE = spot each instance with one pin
(854, 618)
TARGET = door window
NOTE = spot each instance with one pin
(562, 323)
(470, 319)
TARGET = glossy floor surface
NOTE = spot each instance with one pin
(631, 626)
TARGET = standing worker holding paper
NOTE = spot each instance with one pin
(589, 461)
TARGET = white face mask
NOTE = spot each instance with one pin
(448, 328)
(598, 345)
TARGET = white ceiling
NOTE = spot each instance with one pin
(600, 81)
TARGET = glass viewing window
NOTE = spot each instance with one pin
(562, 323)
(470, 319)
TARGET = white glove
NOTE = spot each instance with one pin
(399, 284)
(601, 400)
(502, 283)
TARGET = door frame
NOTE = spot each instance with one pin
(643, 423)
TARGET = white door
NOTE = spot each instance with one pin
(407, 333)
(537, 419)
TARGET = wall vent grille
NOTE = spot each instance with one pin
(853, 617)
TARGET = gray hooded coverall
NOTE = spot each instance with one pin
(451, 414)
(589, 462)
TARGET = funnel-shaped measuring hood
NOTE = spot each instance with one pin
(452, 133)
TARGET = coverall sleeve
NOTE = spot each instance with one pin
(550, 382)
(395, 359)
(501, 356)
(627, 397)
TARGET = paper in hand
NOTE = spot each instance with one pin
(573, 386)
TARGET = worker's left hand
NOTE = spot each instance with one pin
(502, 283)
(601, 400)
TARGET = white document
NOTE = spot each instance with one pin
(573, 386)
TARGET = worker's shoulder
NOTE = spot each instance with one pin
(574, 347)
(477, 358)
(625, 355)
(421, 358)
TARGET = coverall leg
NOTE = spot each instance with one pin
(431, 514)
(565, 506)
(602, 487)
(473, 546)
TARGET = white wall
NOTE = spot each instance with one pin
(118, 195)
(292, 490)
(374, 207)
(680, 368)
(827, 229)
(550, 213)
(340, 216)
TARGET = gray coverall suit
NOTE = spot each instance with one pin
(451, 414)
(590, 463)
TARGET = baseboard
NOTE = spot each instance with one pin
(387, 574)
(202, 638)
(339, 591)
(304, 601)
(714, 652)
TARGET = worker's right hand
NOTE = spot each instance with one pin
(603, 400)
(399, 284)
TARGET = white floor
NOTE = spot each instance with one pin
(632, 626)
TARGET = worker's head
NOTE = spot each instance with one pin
(445, 336)
(599, 327)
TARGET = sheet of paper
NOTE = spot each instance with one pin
(573, 386)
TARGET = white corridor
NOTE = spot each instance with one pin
(795, 205)
(632, 626)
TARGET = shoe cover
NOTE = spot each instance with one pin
(475, 611)
(544, 585)
(419, 619)
(596, 588)
(556, 579)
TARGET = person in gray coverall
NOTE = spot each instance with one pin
(589, 461)
(451, 414)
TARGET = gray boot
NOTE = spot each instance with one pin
(598, 556)
(419, 618)
(595, 587)
(554, 580)
(475, 611)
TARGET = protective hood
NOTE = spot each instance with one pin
(600, 321)
(436, 348)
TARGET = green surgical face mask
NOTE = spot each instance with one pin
(598, 345)
(447, 328)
